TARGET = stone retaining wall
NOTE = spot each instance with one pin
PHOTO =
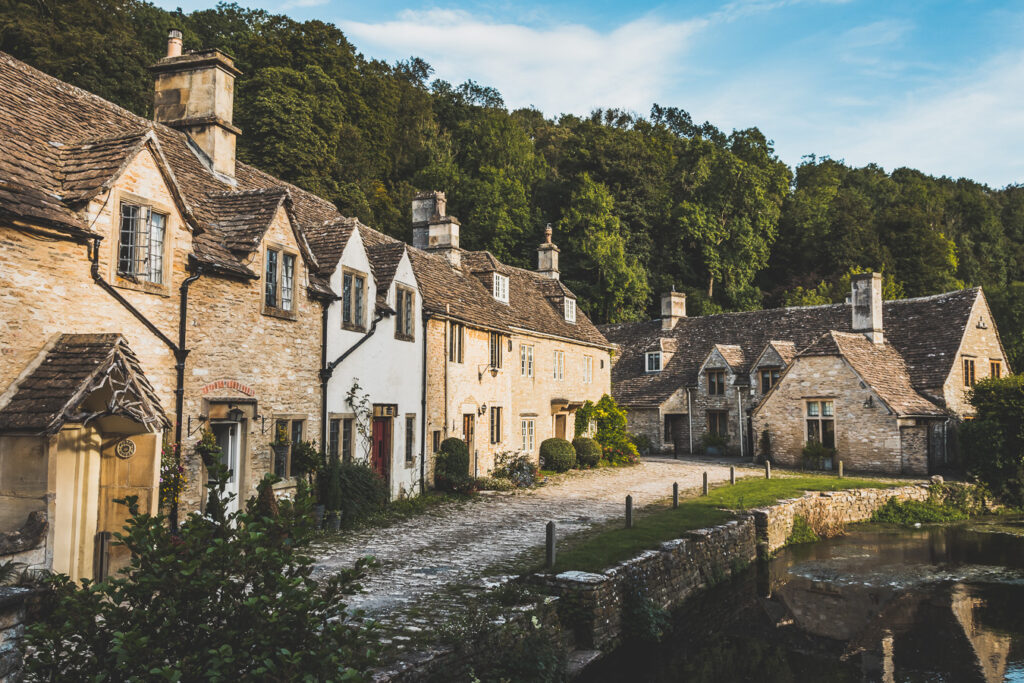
(827, 512)
(12, 630)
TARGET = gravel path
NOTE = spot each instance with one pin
(453, 544)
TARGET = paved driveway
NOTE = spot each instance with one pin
(454, 544)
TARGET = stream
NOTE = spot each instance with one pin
(939, 603)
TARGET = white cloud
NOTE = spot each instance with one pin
(564, 68)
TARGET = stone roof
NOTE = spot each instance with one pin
(880, 366)
(74, 368)
(925, 331)
(242, 218)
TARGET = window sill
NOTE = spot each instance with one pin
(275, 312)
(353, 328)
(405, 337)
(142, 286)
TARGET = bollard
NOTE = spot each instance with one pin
(550, 556)
(767, 469)
(675, 495)
(732, 474)
(704, 490)
(840, 469)
(629, 512)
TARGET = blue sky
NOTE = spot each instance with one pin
(932, 85)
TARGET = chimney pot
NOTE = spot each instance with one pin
(547, 256)
(866, 305)
(174, 43)
(432, 229)
(673, 307)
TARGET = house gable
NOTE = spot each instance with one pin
(980, 342)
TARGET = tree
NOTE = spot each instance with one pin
(993, 442)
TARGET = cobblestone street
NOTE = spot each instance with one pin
(454, 544)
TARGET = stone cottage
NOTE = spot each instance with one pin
(684, 377)
(509, 357)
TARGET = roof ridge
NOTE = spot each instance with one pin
(250, 192)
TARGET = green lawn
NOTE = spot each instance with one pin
(656, 524)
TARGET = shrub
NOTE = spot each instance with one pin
(802, 532)
(557, 455)
(710, 440)
(642, 443)
(517, 468)
(451, 469)
(329, 484)
(305, 458)
(911, 512)
(362, 492)
(610, 429)
(588, 451)
(494, 484)
(993, 442)
(230, 596)
(815, 454)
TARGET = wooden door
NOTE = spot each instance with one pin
(228, 435)
(382, 447)
(76, 501)
(559, 426)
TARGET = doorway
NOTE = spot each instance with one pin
(381, 456)
(560, 426)
(228, 435)
(469, 435)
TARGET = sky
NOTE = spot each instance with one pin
(937, 86)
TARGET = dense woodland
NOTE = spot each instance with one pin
(639, 204)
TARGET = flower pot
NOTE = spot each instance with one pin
(318, 515)
(333, 520)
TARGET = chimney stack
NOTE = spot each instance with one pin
(195, 93)
(547, 256)
(173, 43)
(434, 231)
(866, 300)
(673, 307)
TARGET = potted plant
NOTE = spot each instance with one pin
(280, 446)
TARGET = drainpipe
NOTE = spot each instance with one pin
(423, 409)
(689, 418)
(739, 417)
(324, 308)
(447, 346)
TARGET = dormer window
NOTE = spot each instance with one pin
(140, 254)
(279, 283)
(570, 311)
(653, 361)
(501, 287)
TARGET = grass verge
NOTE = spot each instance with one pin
(656, 524)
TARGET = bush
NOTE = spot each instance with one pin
(305, 458)
(610, 422)
(993, 442)
(362, 493)
(642, 443)
(557, 455)
(494, 484)
(588, 451)
(911, 512)
(517, 468)
(815, 454)
(716, 441)
(451, 469)
(230, 596)
(329, 484)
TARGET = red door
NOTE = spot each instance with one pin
(382, 447)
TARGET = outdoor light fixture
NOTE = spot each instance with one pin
(487, 367)
(235, 413)
(869, 402)
(482, 409)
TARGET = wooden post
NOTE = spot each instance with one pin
(767, 469)
(550, 555)
(675, 495)
(705, 488)
(629, 512)
(732, 474)
(840, 469)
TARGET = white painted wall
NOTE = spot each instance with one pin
(389, 370)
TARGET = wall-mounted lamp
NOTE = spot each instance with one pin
(235, 413)
(482, 409)
(481, 369)
(869, 402)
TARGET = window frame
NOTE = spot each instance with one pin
(526, 355)
(721, 422)
(650, 356)
(995, 369)
(494, 348)
(435, 441)
(569, 310)
(410, 439)
(588, 369)
(819, 418)
(290, 422)
(405, 318)
(719, 381)
(772, 375)
(499, 288)
(558, 362)
(353, 303)
(495, 424)
(528, 431)
(127, 280)
(282, 255)
(970, 376)
(456, 342)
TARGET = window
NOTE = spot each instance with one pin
(718, 422)
(347, 425)
(559, 365)
(456, 340)
(410, 439)
(334, 437)
(653, 361)
(500, 287)
(529, 440)
(995, 369)
(353, 300)
(769, 377)
(495, 424)
(283, 460)
(588, 369)
(821, 423)
(495, 350)
(716, 382)
(140, 253)
(404, 317)
(279, 280)
(435, 440)
(570, 310)
(968, 372)
(526, 360)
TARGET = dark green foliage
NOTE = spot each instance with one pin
(588, 451)
(642, 620)
(911, 512)
(517, 468)
(715, 441)
(802, 532)
(609, 421)
(815, 454)
(557, 455)
(451, 470)
(305, 458)
(329, 484)
(229, 597)
(363, 493)
(993, 442)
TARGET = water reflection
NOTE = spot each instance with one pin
(935, 604)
